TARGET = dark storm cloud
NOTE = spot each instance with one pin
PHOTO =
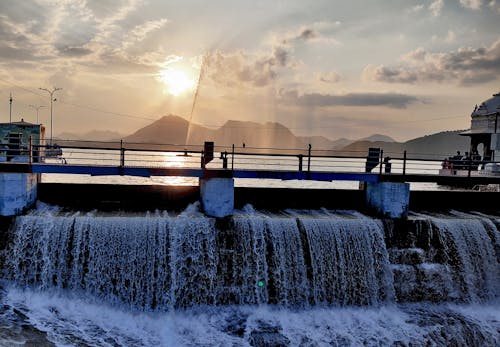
(466, 66)
(392, 100)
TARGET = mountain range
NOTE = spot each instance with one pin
(173, 129)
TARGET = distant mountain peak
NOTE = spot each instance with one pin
(378, 138)
(172, 118)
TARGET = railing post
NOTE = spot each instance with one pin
(301, 157)
(309, 159)
(381, 160)
(30, 150)
(232, 159)
(122, 154)
(470, 166)
(224, 159)
(404, 162)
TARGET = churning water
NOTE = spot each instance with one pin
(299, 278)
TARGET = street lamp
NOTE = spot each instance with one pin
(36, 108)
(51, 93)
(10, 108)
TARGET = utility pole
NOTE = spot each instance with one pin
(51, 94)
(10, 108)
(36, 108)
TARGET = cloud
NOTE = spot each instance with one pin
(330, 77)
(450, 37)
(466, 66)
(313, 33)
(472, 4)
(416, 8)
(141, 31)
(494, 6)
(244, 69)
(308, 34)
(61, 30)
(435, 7)
(392, 100)
(391, 75)
(74, 51)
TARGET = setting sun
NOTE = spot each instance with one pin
(176, 81)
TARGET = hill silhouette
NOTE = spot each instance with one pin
(176, 130)
(435, 146)
(173, 129)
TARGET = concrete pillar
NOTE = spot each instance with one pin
(18, 191)
(388, 199)
(217, 196)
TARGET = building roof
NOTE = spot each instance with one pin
(490, 106)
(476, 131)
(22, 123)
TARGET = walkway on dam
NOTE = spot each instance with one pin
(206, 161)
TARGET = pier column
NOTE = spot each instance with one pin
(388, 199)
(18, 191)
(217, 196)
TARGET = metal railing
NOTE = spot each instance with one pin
(160, 155)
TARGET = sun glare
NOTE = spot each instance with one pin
(176, 81)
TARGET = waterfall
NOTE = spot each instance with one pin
(256, 279)
(159, 262)
(470, 252)
(448, 258)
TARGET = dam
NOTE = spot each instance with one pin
(258, 278)
(147, 265)
(142, 265)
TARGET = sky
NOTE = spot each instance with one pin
(402, 68)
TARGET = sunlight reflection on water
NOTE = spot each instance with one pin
(172, 159)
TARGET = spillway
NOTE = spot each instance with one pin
(333, 262)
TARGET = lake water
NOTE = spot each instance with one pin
(169, 159)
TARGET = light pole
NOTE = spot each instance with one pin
(36, 108)
(51, 93)
(10, 108)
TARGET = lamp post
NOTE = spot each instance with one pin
(10, 108)
(51, 93)
(36, 108)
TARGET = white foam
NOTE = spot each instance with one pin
(68, 319)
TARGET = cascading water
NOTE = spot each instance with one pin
(159, 262)
(296, 278)
(448, 258)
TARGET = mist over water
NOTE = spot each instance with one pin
(309, 278)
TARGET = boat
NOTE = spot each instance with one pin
(484, 142)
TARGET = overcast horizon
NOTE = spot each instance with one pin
(338, 69)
